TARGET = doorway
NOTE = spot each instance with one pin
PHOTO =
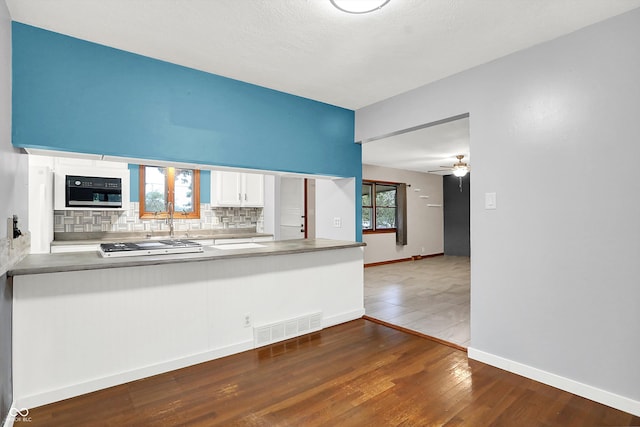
(293, 200)
(429, 294)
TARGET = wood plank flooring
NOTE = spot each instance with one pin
(356, 374)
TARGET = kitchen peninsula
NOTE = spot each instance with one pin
(82, 322)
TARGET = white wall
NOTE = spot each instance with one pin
(425, 226)
(335, 198)
(76, 332)
(554, 272)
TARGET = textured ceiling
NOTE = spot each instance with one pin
(421, 150)
(309, 48)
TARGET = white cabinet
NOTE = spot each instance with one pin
(253, 185)
(40, 206)
(237, 189)
(82, 167)
(226, 188)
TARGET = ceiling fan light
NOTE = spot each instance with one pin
(460, 171)
(359, 6)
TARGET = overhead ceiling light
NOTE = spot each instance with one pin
(359, 6)
(460, 171)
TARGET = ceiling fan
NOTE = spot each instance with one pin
(459, 168)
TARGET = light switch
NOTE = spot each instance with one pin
(490, 201)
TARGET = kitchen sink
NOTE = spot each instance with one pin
(232, 246)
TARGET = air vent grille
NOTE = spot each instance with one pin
(285, 329)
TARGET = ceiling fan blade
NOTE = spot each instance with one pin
(439, 170)
(446, 167)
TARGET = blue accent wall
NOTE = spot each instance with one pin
(205, 186)
(77, 96)
(134, 183)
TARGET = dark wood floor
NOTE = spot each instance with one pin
(356, 374)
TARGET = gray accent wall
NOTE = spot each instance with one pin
(554, 271)
(7, 172)
(456, 209)
(13, 200)
(6, 392)
(6, 189)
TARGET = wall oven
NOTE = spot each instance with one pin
(93, 192)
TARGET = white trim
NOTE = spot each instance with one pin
(593, 393)
(51, 396)
(342, 318)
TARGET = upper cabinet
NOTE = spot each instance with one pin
(226, 188)
(237, 189)
(95, 184)
(253, 185)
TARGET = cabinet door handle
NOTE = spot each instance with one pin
(245, 197)
(240, 196)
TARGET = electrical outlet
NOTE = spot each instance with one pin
(247, 320)
(337, 222)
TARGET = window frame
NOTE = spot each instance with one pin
(170, 187)
(373, 206)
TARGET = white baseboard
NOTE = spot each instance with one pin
(598, 395)
(342, 318)
(51, 396)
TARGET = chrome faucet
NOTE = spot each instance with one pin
(170, 219)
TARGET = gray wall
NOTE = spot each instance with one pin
(456, 209)
(424, 223)
(554, 271)
(13, 200)
(6, 394)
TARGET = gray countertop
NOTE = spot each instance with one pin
(78, 261)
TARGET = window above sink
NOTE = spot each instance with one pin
(163, 189)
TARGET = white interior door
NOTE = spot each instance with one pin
(292, 208)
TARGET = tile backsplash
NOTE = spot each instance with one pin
(211, 218)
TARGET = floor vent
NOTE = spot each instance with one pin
(290, 328)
